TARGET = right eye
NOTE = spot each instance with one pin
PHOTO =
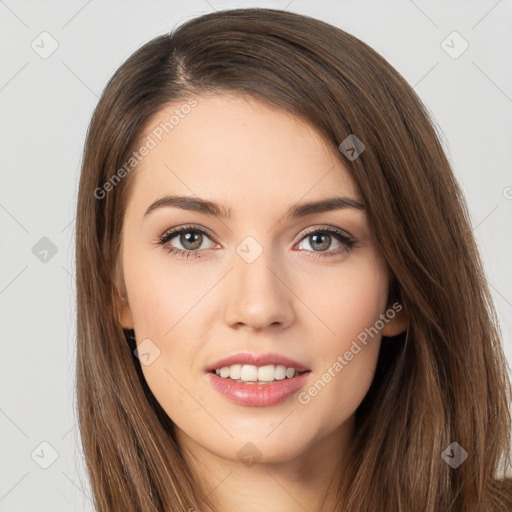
(190, 238)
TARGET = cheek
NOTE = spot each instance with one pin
(167, 312)
(349, 299)
(349, 309)
(159, 295)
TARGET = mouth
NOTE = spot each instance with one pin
(251, 374)
(251, 390)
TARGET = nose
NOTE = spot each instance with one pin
(258, 295)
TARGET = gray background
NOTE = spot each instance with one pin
(46, 104)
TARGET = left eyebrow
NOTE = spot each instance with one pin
(217, 210)
(324, 205)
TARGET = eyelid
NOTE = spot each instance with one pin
(327, 228)
(190, 227)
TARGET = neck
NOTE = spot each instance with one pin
(307, 481)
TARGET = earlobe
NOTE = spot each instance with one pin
(396, 325)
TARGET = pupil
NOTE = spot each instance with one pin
(187, 240)
(326, 241)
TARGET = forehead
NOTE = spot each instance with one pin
(236, 147)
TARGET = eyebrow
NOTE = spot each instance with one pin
(217, 210)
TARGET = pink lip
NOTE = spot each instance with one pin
(258, 395)
(257, 360)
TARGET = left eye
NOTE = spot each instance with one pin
(319, 242)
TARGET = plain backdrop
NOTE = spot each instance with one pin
(55, 59)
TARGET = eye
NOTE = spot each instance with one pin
(190, 238)
(319, 240)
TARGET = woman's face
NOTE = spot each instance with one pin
(255, 281)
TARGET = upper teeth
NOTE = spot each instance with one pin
(250, 373)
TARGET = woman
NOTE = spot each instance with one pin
(280, 302)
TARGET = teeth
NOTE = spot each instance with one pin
(251, 373)
(280, 372)
(267, 373)
(234, 371)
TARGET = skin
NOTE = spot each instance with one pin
(258, 161)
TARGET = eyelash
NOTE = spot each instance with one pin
(348, 241)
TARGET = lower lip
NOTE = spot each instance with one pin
(258, 395)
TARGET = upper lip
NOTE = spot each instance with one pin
(257, 360)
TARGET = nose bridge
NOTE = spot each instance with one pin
(257, 296)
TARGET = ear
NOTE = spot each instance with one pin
(122, 309)
(397, 324)
(124, 316)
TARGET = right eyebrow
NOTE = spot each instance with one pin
(190, 203)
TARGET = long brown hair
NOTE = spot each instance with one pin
(443, 381)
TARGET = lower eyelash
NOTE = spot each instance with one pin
(184, 254)
(349, 243)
